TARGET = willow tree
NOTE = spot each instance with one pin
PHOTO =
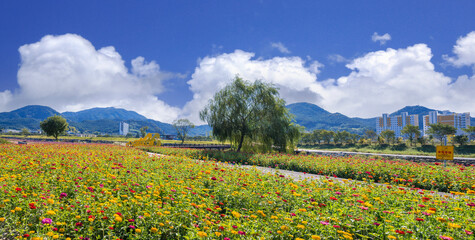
(252, 112)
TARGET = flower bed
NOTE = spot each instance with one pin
(67, 191)
(429, 176)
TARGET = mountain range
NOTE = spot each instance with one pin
(106, 120)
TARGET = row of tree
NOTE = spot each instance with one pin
(412, 133)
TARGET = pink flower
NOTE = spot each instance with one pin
(46, 221)
(324, 223)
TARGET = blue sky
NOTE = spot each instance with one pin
(323, 52)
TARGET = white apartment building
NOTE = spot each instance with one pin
(123, 128)
(396, 123)
(457, 120)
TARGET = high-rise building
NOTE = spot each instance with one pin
(396, 123)
(457, 120)
(123, 128)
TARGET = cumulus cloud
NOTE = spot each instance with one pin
(280, 46)
(379, 82)
(382, 39)
(464, 51)
(292, 75)
(68, 74)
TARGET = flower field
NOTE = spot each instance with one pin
(429, 176)
(74, 191)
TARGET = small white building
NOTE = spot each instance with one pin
(123, 128)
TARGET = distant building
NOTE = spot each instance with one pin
(457, 120)
(396, 123)
(123, 128)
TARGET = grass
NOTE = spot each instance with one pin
(401, 149)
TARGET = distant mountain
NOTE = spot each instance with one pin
(109, 113)
(31, 112)
(106, 120)
(313, 117)
(420, 110)
(103, 120)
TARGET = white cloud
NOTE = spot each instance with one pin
(290, 74)
(338, 58)
(68, 74)
(382, 39)
(384, 81)
(381, 81)
(464, 51)
(280, 46)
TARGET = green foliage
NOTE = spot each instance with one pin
(54, 126)
(412, 132)
(327, 136)
(25, 132)
(251, 114)
(440, 131)
(388, 136)
(182, 127)
(461, 139)
(143, 131)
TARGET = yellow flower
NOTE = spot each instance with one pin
(50, 212)
(50, 234)
(154, 230)
(90, 219)
(217, 234)
(391, 237)
(118, 219)
(236, 214)
(138, 230)
(2, 219)
(50, 201)
(202, 234)
(300, 226)
(302, 210)
(55, 236)
(78, 217)
(18, 209)
(283, 228)
(315, 237)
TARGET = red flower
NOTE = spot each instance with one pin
(420, 219)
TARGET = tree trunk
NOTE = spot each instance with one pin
(240, 142)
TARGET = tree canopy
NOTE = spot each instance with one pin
(412, 132)
(251, 112)
(440, 131)
(182, 127)
(54, 126)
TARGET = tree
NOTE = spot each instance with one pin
(388, 136)
(54, 126)
(470, 130)
(461, 139)
(370, 134)
(440, 131)
(25, 132)
(182, 127)
(317, 135)
(143, 131)
(412, 132)
(252, 112)
(327, 136)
